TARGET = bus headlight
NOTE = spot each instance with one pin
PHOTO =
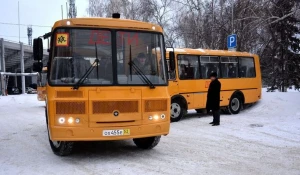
(61, 120)
(70, 120)
(162, 116)
(77, 120)
(156, 117)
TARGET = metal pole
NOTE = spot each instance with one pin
(2, 82)
(2, 55)
(18, 74)
(212, 30)
(62, 12)
(19, 19)
(22, 67)
(232, 5)
(67, 10)
(2, 67)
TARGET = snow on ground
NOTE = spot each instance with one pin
(262, 139)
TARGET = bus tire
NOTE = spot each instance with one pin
(199, 111)
(58, 147)
(61, 148)
(147, 143)
(177, 110)
(225, 110)
(235, 104)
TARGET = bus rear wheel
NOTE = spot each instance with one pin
(147, 143)
(235, 104)
(200, 111)
(177, 110)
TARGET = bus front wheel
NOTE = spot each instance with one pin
(61, 148)
(147, 143)
(235, 104)
(177, 110)
(58, 147)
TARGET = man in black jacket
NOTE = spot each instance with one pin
(213, 99)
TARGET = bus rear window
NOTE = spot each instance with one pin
(246, 67)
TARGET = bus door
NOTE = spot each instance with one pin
(173, 81)
(189, 80)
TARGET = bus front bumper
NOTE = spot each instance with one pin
(96, 134)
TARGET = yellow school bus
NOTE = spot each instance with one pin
(98, 87)
(238, 72)
(41, 84)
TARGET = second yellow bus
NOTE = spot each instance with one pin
(238, 72)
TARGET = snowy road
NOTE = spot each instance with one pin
(263, 139)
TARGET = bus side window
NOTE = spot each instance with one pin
(203, 71)
(247, 68)
(211, 64)
(188, 67)
(229, 67)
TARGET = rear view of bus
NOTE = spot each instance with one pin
(106, 81)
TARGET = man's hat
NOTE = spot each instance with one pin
(141, 55)
(213, 74)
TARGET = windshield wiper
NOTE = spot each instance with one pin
(142, 76)
(88, 72)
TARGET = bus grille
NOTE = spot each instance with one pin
(69, 94)
(70, 107)
(110, 106)
(156, 105)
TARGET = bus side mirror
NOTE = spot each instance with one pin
(38, 49)
(172, 60)
(37, 67)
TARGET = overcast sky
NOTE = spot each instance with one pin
(34, 12)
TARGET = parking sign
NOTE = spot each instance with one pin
(231, 41)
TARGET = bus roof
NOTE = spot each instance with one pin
(108, 23)
(189, 51)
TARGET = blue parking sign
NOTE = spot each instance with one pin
(231, 41)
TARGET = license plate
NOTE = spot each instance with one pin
(116, 132)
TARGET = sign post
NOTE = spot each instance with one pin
(232, 42)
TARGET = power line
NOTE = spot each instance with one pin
(13, 36)
(6, 23)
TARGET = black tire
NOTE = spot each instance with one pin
(58, 147)
(235, 104)
(61, 148)
(177, 110)
(147, 143)
(200, 111)
(225, 110)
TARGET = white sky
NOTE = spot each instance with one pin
(34, 12)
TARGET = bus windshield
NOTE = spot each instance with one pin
(75, 53)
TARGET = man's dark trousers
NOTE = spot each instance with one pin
(216, 115)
